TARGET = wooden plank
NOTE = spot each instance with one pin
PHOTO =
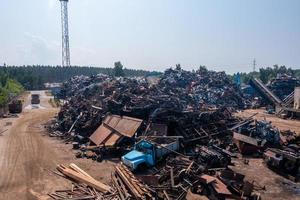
(79, 170)
(113, 178)
(133, 180)
(84, 179)
(122, 186)
(127, 182)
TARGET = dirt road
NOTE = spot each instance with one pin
(24, 155)
(27, 154)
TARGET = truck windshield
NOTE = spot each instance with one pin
(144, 147)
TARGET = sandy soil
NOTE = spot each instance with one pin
(27, 154)
(276, 186)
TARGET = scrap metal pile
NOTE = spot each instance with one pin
(123, 185)
(280, 149)
(254, 136)
(283, 85)
(182, 177)
(179, 182)
(179, 133)
(89, 99)
(285, 161)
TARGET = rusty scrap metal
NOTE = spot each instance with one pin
(138, 189)
(286, 161)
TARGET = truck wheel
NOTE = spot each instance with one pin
(99, 158)
(142, 167)
(289, 165)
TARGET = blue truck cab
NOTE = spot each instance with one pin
(147, 152)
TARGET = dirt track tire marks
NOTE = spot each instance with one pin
(24, 156)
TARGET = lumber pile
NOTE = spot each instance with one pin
(77, 192)
(80, 176)
(124, 185)
(138, 189)
(84, 186)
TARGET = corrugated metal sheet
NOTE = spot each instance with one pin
(113, 139)
(246, 144)
(100, 135)
(113, 128)
(218, 185)
(127, 126)
(245, 139)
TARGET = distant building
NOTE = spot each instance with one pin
(55, 88)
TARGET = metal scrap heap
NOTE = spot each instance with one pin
(177, 134)
(283, 85)
(89, 99)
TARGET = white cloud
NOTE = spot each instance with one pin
(82, 55)
(51, 3)
(38, 50)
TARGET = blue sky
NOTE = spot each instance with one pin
(154, 34)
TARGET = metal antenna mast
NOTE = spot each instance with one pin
(65, 33)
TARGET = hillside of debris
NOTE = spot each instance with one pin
(177, 91)
(189, 112)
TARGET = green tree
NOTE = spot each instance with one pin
(118, 69)
(3, 79)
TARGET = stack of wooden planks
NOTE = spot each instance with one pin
(80, 176)
(77, 192)
(124, 185)
(137, 188)
(84, 186)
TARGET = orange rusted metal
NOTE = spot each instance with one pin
(113, 128)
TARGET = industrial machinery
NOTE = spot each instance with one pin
(286, 161)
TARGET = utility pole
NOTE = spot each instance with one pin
(65, 34)
(254, 65)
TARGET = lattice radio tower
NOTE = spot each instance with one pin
(65, 33)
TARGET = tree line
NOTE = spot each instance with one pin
(268, 73)
(33, 77)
